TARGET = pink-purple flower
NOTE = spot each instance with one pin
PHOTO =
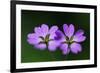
(53, 38)
(70, 41)
(43, 37)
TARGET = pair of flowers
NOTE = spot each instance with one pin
(67, 41)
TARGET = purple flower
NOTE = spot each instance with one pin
(43, 38)
(70, 40)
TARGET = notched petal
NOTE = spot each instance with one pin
(59, 35)
(71, 30)
(32, 35)
(52, 45)
(65, 28)
(41, 46)
(79, 38)
(75, 48)
(64, 48)
(44, 29)
(53, 29)
(79, 32)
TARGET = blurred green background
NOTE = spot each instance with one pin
(31, 19)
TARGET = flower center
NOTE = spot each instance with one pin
(46, 39)
(69, 40)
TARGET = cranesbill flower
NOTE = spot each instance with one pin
(43, 37)
(70, 41)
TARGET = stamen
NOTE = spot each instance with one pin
(69, 41)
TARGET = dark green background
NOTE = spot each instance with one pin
(31, 19)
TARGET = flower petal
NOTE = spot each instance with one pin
(59, 35)
(79, 32)
(38, 31)
(33, 41)
(52, 36)
(52, 45)
(32, 35)
(75, 48)
(33, 38)
(64, 48)
(78, 37)
(44, 29)
(41, 46)
(65, 28)
(70, 30)
(52, 31)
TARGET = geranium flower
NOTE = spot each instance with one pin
(43, 37)
(70, 42)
